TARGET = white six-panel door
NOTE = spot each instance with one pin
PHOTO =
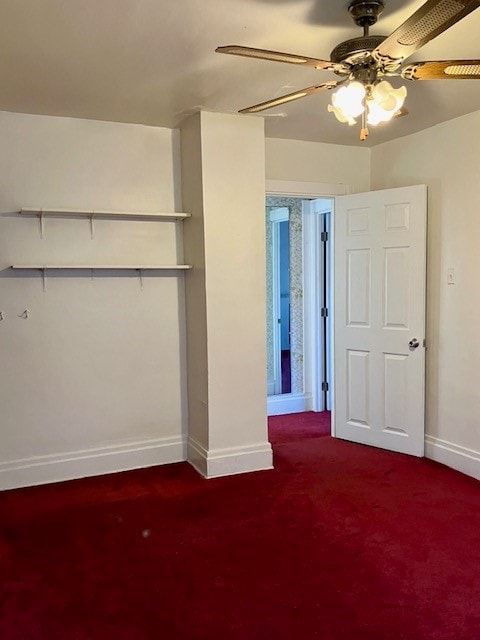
(380, 268)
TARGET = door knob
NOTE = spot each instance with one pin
(414, 343)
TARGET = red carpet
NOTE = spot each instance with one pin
(339, 542)
(298, 426)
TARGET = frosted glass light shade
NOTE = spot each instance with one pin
(381, 101)
(384, 102)
(348, 102)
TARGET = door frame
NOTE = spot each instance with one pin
(309, 400)
(317, 270)
(277, 216)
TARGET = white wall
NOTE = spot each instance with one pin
(447, 159)
(93, 380)
(318, 162)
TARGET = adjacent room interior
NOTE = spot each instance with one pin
(237, 382)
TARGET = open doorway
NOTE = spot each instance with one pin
(378, 284)
(298, 323)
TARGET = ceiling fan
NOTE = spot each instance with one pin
(363, 62)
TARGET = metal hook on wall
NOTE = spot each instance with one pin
(24, 315)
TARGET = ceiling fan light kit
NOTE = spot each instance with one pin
(379, 102)
(364, 62)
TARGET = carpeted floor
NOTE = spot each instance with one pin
(298, 426)
(339, 542)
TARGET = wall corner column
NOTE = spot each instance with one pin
(223, 187)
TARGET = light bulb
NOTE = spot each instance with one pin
(348, 102)
(384, 101)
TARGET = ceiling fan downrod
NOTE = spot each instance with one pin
(365, 14)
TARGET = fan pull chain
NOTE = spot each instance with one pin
(364, 131)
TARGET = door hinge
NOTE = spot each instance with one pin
(424, 343)
(324, 312)
(324, 236)
(324, 386)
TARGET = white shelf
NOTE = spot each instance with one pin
(140, 268)
(144, 267)
(105, 214)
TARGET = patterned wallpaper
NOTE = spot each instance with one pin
(294, 206)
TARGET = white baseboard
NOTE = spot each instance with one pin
(460, 458)
(91, 462)
(231, 461)
(289, 403)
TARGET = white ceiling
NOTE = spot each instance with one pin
(154, 62)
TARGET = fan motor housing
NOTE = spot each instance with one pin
(355, 50)
(366, 12)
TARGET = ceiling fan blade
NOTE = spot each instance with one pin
(443, 70)
(432, 19)
(276, 56)
(276, 102)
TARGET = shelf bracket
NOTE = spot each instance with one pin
(40, 219)
(44, 278)
(92, 230)
(140, 278)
